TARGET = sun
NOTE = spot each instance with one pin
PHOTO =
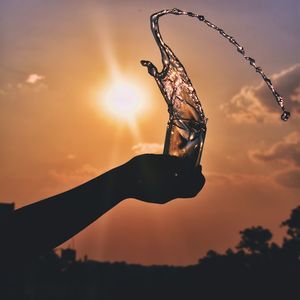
(123, 99)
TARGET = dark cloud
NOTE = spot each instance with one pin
(289, 178)
(257, 104)
(287, 151)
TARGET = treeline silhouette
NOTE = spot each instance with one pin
(256, 268)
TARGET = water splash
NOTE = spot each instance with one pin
(187, 122)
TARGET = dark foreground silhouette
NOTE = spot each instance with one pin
(256, 269)
(42, 226)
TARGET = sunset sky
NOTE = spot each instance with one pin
(59, 60)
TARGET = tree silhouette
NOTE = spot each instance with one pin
(255, 240)
(255, 269)
(291, 244)
(293, 223)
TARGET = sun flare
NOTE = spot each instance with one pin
(123, 99)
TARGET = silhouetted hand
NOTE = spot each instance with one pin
(161, 178)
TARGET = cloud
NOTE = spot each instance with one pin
(289, 178)
(73, 177)
(71, 156)
(287, 151)
(142, 148)
(20, 89)
(33, 78)
(256, 104)
(218, 179)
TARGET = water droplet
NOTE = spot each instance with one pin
(268, 81)
(241, 50)
(201, 18)
(251, 61)
(176, 11)
(285, 116)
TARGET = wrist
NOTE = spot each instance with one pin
(119, 183)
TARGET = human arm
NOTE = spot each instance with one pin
(44, 225)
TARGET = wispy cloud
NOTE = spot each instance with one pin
(18, 89)
(73, 177)
(256, 104)
(287, 152)
(142, 148)
(289, 178)
(71, 156)
(233, 179)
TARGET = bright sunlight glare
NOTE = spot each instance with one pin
(123, 99)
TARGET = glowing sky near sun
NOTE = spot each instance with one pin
(58, 73)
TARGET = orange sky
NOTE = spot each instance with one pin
(55, 135)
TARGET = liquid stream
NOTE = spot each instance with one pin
(187, 122)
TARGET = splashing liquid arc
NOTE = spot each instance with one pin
(187, 123)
